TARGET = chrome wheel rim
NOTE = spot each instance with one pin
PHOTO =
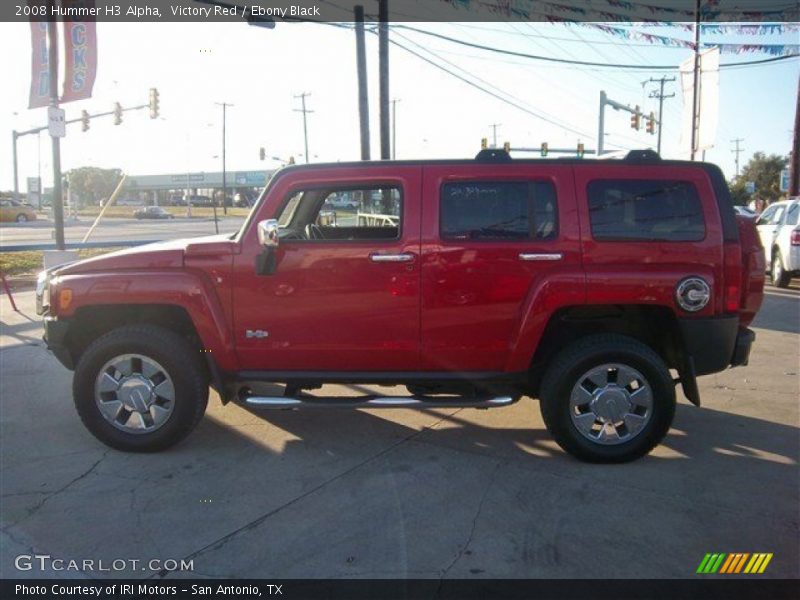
(134, 393)
(611, 404)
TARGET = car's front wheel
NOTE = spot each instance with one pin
(140, 388)
(608, 398)
(780, 278)
(22, 218)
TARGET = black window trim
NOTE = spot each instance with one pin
(555, 237)
(615, 240)
(338, 187)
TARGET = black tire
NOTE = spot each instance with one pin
(21, 218)
(180, 360)
(778, 275)
(592, 351)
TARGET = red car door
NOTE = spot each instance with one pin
(500, 248)
(341, 299)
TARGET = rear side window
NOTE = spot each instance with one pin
(645, 210)
(791, 216)
(507, 210)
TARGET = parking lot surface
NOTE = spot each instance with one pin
(400, 493)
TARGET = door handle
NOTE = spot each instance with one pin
(392, 258)
(541, 256)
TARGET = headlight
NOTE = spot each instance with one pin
(42, 292)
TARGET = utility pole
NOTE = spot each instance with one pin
(16, 178)
(383, 71)
(224, 106)
(696, 79)
(305, 112)
(794, 159)
(361, 66)
(394, 128)
(661, 97)
(601, 123)
(494, 127)
(52, 65)
(737, 151)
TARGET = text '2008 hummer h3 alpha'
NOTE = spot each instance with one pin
(595, 286)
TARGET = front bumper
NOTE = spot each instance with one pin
(716, 343)
(55, 333)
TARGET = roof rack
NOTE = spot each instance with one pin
(642, 156)
(493, 155)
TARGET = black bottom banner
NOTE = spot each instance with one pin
(401, 589)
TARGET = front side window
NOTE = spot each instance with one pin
(342, 213)
(645, 210)
(507, 210)
(767, 215)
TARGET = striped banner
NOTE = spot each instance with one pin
(734, 563)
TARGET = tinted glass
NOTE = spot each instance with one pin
(519, 210)
(792, 215)
(766, 215)
(646, 210)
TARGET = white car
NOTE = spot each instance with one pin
(780, 235)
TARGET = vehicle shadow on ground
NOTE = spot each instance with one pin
(709, 434)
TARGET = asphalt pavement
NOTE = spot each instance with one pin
(42, 232)
(383, 493)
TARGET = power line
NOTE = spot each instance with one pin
(579, 62)
(489, 92)
(473, 76)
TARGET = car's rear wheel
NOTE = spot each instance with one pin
(140, 388)
(780, 278)
(608, 398)
(22, 218)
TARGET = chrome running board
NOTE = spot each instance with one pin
(281, 402)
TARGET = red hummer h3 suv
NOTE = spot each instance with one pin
(593, 285)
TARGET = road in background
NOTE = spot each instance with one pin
(41, 232)
(400, 493)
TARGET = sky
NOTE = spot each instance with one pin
(260, 71)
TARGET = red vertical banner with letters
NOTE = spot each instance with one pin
(80, 53)
(40, 65)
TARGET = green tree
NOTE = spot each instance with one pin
(91, 184)
(765, 171)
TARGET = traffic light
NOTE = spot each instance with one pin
(484, 143)
(84, 121)
(117, 113)
(636, 119)
(544, 149)
(153, 103)
(650, 126)
(581, 149)
(507, 146)
(262, 154)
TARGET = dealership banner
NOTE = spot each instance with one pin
(40, 66)
(80, 52)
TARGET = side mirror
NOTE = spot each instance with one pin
(268, 238)
(268, 233)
